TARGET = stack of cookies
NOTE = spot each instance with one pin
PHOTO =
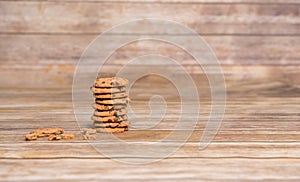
(110, 104)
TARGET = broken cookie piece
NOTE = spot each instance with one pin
(54, 137)
(67, 136)
(44, 132)
(31, 136)
(51, 133)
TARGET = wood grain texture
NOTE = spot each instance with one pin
(56, 76)
(259, 135)
(183, 1)
(42, 40)
(255, 150)
(51, 59)
(165, 170)
(96, 17)
(257, 43)
(19, 50)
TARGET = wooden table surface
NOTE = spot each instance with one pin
(259, 138)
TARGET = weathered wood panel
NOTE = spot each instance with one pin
(189, 150)
(38, 41)
(57, 76)
(166, 170)
(96, 17)
(37, 50)
(287, 136)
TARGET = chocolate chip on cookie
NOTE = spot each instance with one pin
(110, 82)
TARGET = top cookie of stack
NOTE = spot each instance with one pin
(109, 85)
(110, 104)
(110, 82)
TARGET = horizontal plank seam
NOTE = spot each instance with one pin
(295, 142)
(214, 143)
(159, 2)
(177, 130)
(24, 66)
(135, 34)
(217, 158)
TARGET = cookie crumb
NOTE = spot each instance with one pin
(88, 137)
(67, 136)
(88, 134)
(91, 137)
(89, 131)
(54, 137)
(84, 137)
(31, 136)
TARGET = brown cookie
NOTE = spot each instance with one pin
(44, 132)
(111, 82)
(111, 130)
(107, 90)
(108, 107)
(118, 112)
(122, 124)
(110, 119)
(111, 96)
(113, 101)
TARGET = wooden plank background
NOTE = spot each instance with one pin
(46, 38)
(257, 43)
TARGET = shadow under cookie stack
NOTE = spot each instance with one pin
(110, 105)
